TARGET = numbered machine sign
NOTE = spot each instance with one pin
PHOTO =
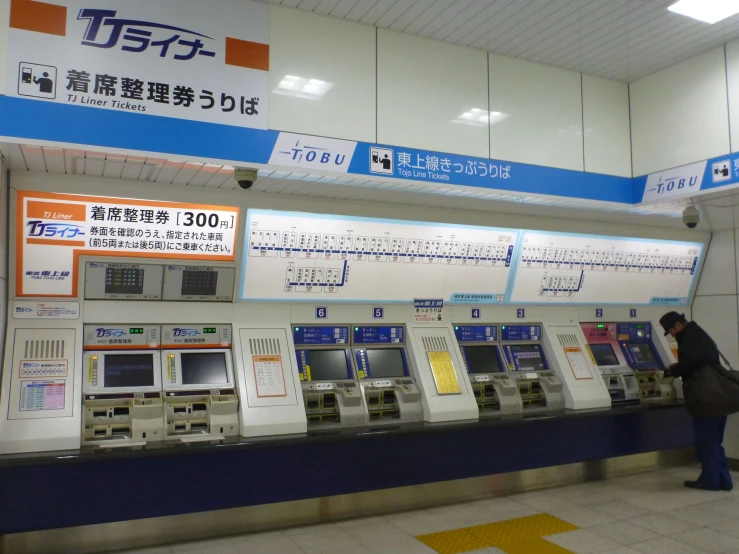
(55, 229)
(521, 313)
(632, 313)
(321, 312)
(599, 312)
(475, 313)
(378, 312)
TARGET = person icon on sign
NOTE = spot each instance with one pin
(386, 162)
(45, 84)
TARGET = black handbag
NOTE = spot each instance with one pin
(712, 391)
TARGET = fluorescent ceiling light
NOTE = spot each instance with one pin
(480, 118)
(708, 11)
(301, 87)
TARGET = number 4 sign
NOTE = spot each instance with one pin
(475, 313)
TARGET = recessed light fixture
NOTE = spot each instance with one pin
(480, 118)
(708, 11)
(302, 87)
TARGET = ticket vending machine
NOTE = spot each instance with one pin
(496, 392)
(572, 362)
(523, 356)
(121, 385)
(331, 394)
(385, 377)
(638, 348)
(617, 375)
(198, 381)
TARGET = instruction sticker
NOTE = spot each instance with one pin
(445, 376)
(269, 376)
(578, 363)
(37, 396)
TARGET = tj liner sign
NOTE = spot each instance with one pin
(169, 58)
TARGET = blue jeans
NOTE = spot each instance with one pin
(709, 436)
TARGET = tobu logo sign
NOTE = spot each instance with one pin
(680, 181)
(312, 152)
(103, 332)
(105, 30)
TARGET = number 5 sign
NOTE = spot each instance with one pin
(378, 312)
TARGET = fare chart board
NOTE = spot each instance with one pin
(307, 257)
(587, 269)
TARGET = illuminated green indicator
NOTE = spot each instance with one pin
(601, 326)
(456, 328)
(136, 331)
(503, 328)
(209, 330)
(356, 328)
(297, 328)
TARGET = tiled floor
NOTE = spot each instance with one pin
(649, 513)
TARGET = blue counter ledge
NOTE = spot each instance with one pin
(90, 486)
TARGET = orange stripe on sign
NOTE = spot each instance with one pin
(243, 53)
(38, 17)
(54, 210)
(52, 242)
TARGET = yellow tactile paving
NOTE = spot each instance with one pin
(534, 546)
(514, 536)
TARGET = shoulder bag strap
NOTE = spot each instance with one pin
(725, 360)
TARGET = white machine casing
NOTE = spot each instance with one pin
(583, 386)
(262, 329)
(198, 410)
(31, 426)
(439, 336)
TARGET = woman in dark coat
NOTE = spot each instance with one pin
(695, 349)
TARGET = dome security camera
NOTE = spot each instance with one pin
(691, 217)
(245, 177)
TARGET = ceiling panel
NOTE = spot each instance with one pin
(617, 39)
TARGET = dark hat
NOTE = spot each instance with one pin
(669, 319)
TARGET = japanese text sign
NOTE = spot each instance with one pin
(54, 229)
(171, 58)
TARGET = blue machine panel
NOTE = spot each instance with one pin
(386, 334)
(320, 335)
(520, 332)
(635, 340)
(476, 333)
(394, 364)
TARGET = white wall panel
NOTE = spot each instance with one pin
(606, 124)
(680, 115)
(331, 52)
(719, 270)
(423, 86)
(719, 317)
(3, 221)
(732, 79)
(4, 28)
(541, 114)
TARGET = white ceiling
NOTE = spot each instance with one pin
(617, 39)
(215, 176)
